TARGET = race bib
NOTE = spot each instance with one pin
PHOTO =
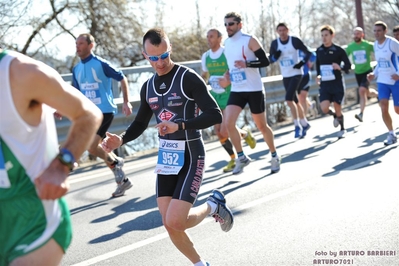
(384, 65)
(214, 83)
(359, 57)
(4, 179)
(91, 91)
(237, 76)
(170, 157)
(286, 62)
(327, 72)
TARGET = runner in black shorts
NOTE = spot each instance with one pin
(105, 124)
(174, 95)
(329, 76)
(285, 51)
(360, 52)
(245, 56)
(255, 100)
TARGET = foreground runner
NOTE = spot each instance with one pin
(35, 223)
(174, 94)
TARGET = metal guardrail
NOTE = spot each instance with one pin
(275, 93)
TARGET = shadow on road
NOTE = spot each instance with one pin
(365, 160)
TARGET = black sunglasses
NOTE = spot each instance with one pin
(230, 23)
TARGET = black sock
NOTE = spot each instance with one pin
(341, 121)
(228, 146)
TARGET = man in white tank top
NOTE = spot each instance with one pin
(35, 221)
(245, 56)
(386, 51)
(285, 51)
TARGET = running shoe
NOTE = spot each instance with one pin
(249, 138)
(359, 117)
(335, 121)
(230, 166)
(304, 130)
(341, 134)
(391, 139)
(241, 162)
(121, 188)
(298, 131)
(117, 170)
(275, 168)
(223, 214)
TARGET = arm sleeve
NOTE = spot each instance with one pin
(394, 45)
(112, 72)
(317, 64)
(272, 50)
(141, 121)
(299, 45)
(262, 59)
(195, 88)
(74, 81)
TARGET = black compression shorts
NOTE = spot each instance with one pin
(186, 184)
(255, 100)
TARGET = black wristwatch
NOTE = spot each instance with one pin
(67, 158)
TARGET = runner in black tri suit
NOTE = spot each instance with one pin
(175, 94)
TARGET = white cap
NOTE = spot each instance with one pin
(358, 29)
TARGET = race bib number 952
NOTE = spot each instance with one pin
(170, 157)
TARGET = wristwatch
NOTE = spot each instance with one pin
(67, 158)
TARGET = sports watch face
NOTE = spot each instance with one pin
(67, 158)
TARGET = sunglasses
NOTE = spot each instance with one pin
(230, 23)
(155, 58)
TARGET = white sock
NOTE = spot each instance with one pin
(296, 122)
(213, 206)
(200, 263)
(304, 122)
(391, 132)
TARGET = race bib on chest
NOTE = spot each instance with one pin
(286, 61)
(359, 57)
(214, 83)
(384, 65)
(91, 91)
(327, 72)
(170, 157)
(238, 76)
(4, 179)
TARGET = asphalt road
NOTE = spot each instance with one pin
(333, 202)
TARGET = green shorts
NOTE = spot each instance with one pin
(221, 99)
(27, 223)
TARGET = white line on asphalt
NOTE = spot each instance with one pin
(155, 238)
(122, 250)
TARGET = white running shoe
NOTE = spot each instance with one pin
(391, 139)
(241, 162)
(275, 168)
(341, 134)
(117, 170)
(335, 122)
(120, 189)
